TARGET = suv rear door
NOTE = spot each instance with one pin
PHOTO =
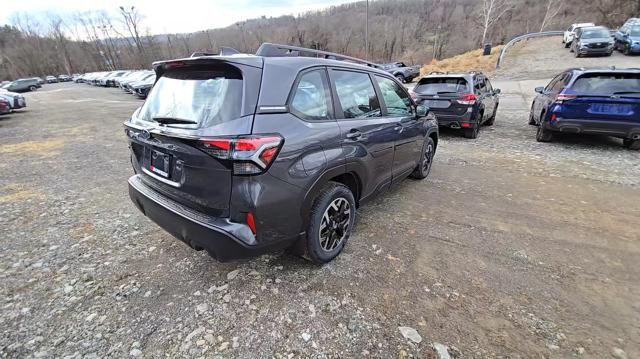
(396, 105)
(487, 97)
(369, 138)
(604, 96)
(440, 94)
(179, 136)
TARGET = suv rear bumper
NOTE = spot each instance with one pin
(223, 239)
(623, 129)
(453, 121)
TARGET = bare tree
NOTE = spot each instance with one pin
(132, 21)
(552, 9)
(491, 12)
(57, 32)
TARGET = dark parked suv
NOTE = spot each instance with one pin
(245, 154)
(22, 85)
(459, 100)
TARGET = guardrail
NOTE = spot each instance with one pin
(524, 37)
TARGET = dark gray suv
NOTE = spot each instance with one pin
(245, 154)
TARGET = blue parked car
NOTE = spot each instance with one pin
(627, 39)
(593, 101)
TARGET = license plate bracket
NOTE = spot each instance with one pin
(612, 109)
(436, 103)
(160, 163)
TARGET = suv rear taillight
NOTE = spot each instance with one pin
(467, 99)
(250, 154)
(563, 97)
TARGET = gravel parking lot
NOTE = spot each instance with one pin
(511, 248)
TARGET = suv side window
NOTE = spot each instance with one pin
(356, 94)
(553, 83)
(396, 100)
(561, 83)
(488, 86)
(479, 86)
(311, 99)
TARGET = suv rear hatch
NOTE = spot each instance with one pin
(178, 136)
(445, 95)
(603, 96)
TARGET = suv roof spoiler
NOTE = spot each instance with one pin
(277, 50)
(456, 73)
(224, 51)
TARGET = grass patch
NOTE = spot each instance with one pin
(469, 61)
(43, 149)
(17, 193)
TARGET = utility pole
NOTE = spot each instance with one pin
(366, 34)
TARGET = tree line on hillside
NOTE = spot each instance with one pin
(414, 31)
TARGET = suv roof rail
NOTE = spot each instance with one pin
(277, 50)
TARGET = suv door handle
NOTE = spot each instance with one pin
(354, 134)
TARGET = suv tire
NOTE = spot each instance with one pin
(32, 88)
(472, 133)
(631, 144)
(426, 160)
(334, 208)
(401, 78)
(543, 135)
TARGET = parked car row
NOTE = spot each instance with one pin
(11, 101)
(136, 82)
(293, 144)
(33, 83)
(584, 39)
(21, 85)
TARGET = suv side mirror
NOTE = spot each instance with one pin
(539, 89)
(421, 110)
(497, 91)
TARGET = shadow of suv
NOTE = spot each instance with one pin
(245, 154)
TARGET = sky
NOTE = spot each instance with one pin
(166, 16)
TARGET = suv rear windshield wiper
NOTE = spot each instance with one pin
(626, 92)
(174, 120)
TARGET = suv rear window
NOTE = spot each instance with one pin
(205, 96)
(594, 34)
(433, 86)
(607, 84)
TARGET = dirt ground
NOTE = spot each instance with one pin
(510, 249)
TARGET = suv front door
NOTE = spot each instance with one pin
(368, 137)
(491, 100)
(396, 105)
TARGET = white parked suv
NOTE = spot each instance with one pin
(571, 32)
